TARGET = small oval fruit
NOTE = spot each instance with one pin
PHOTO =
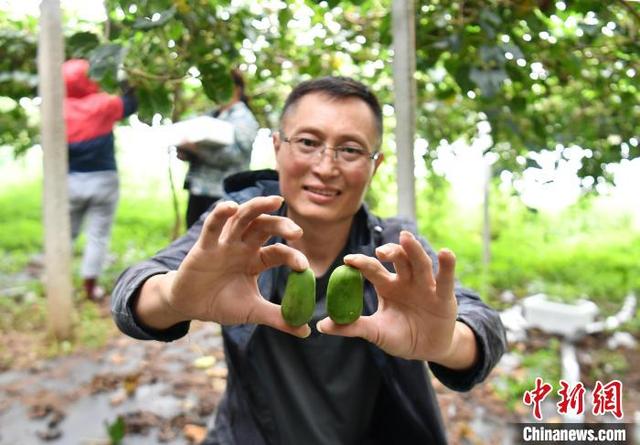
(299, 298)
(345, 294)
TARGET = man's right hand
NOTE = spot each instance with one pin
(217, 281)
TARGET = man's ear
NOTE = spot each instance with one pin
(276, 140)
(275, 137)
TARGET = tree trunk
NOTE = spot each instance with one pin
(404, 67)
(57, 230)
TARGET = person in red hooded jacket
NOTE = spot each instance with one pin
(90, 116)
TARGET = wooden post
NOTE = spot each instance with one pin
(57, 227)
(486, 228)
(404, 67)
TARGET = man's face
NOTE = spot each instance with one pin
(322, 188)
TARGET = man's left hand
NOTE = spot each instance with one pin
(416, 316)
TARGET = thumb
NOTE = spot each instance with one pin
(363, 327)
(269, 314)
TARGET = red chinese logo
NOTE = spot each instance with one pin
(536, 396)
(573, 399)
(605, 398)
(608, 398)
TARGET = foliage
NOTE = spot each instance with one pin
(116, 430)
(543, 363)
(541, 73)
(605, 363)
(583, 251)
(18, 79)
(142, 227)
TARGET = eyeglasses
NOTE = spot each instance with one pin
(309, 148)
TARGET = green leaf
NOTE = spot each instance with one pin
(80, 45)
(218, 86)
(104, 61)
(489, 81)
(156, 21)
(459, 70)
(154, 99)
(116, 430)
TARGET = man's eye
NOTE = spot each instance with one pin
(355, 151)
(306, 142)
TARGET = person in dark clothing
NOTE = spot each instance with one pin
(90, 116)
(208, 165)
(322, 383)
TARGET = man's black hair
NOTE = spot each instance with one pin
(336, 87)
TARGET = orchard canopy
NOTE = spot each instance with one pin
(542, 74)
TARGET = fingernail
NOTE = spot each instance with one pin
(302, 262)
(319, 328)
(384, 250)
(307, 333)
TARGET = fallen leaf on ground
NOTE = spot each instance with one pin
(118, 398)
(194, 433)
(218, 372)
(204, 362)
(130, 383)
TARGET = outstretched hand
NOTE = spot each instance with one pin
(416, 316)
(217, 280)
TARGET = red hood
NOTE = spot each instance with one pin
(76, 79)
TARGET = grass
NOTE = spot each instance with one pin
(582, 252)
(143, 225)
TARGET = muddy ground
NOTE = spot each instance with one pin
(167, 393)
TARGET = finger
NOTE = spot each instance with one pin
(249, 211)
(364, 327)
(370, 267)
(395, 253)
(265, 226)
(420, 262)
(445, 280)
(279, 254)
(270, 314)
(215, 222)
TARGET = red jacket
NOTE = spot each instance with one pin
(90, 116)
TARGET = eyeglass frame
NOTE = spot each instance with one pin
(372, 156)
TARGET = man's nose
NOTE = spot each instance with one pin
(329, 152)
(327, 162)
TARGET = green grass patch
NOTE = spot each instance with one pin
(143, 225)
(583, 252)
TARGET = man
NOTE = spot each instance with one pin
(363, 383)
(90, 116)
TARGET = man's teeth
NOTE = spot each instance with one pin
(322, 192)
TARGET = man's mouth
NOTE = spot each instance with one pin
(322, 191)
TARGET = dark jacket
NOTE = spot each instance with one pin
(406, 412)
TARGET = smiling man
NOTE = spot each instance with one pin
(323, 383)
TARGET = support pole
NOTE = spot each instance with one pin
(404, 67)
(57, 227)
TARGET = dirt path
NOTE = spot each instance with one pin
(167, 393)
(164, 392)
